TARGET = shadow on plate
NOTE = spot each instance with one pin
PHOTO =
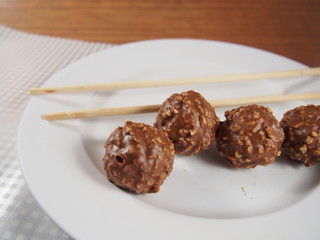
(212, 156)
(302, 84)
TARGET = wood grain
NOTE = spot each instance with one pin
(287, 27)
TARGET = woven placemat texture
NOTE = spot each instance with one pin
(26, 61)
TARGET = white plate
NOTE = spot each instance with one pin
(203, 198)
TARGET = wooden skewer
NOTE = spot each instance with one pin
(175, 81)
(155, 108)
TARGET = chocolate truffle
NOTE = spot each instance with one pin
(189, 120)
(302, 134)
(138, 157)
(249, 136)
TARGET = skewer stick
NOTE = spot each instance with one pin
(155, 108)
(175, 81)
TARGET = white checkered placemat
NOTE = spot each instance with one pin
(26, 61)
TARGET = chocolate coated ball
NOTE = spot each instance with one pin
(138, 157)
(249, 136)
(302, 134)
(189, 120)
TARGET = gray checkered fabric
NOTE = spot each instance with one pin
(26, 61)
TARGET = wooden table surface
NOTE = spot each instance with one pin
(287, 27)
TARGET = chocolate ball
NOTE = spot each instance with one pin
(249, 136)
(138, 157)
(189, 120)
(302, 134)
